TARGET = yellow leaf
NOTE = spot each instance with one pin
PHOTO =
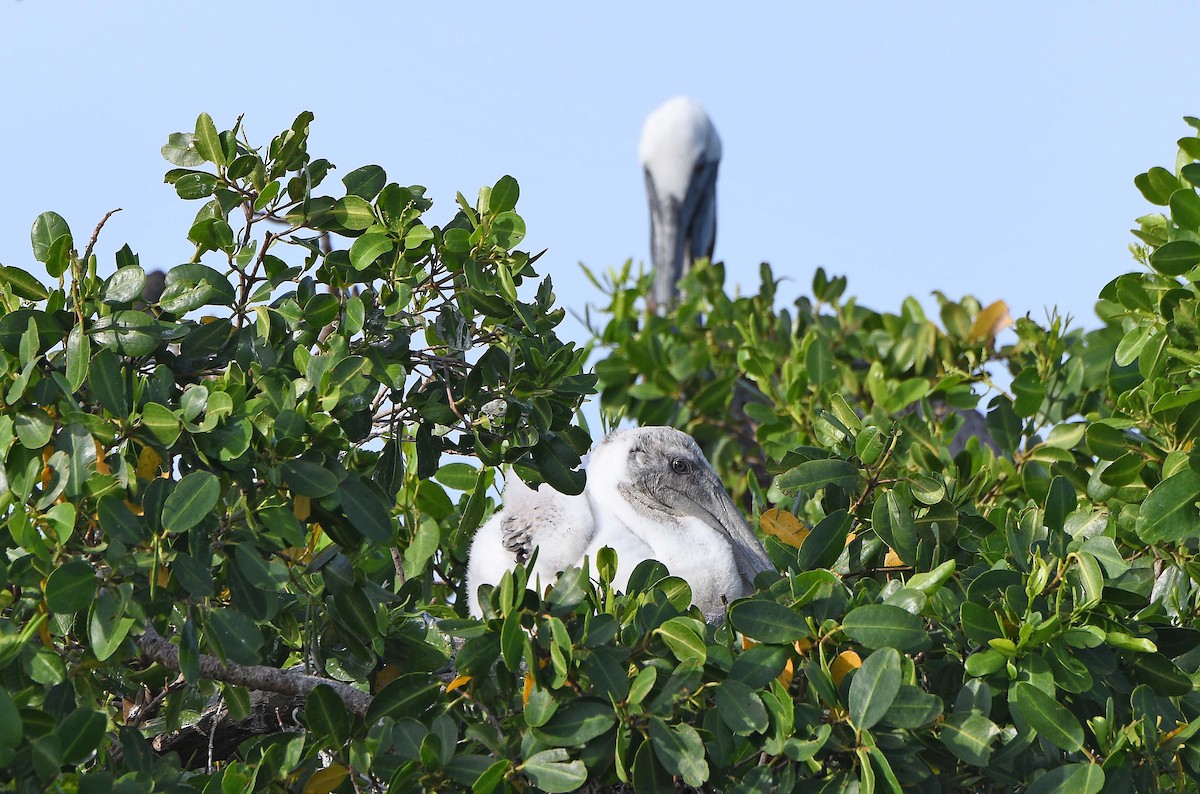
(134, 508)
(803, 645)
(148, 462)
(892, 559)
(101, 463)
(783, 525)
(456, 683)
(990, 321)
(163, 578)
(302, 508)
(326, 780)
(785, 677)
(843, 664)
(528, 689)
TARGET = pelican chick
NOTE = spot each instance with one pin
(557, 525)
(654, 496)
(650, 495)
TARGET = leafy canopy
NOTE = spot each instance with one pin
(962, 603)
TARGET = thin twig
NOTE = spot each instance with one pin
(87, 252)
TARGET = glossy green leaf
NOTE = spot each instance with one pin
(767, 621)
(1169, 513)
(194, 498)
(813, 475)
(874, 688)
(882, 626)
(47, 228)
(1053, 721)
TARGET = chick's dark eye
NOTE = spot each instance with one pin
(680, 466)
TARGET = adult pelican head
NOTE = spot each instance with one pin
(680, 152)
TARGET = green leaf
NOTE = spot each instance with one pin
(79, 354)
(47, 228)
(180, 150)
(309, 479)
(508, 229)
(11, 728)
(883, 625)
(409, 695)
(1176, 257)
(107, 383)
(207, 141)
(124, 286)
(576, 723)
(128, 333)
(913, 707)
(353, 213)
(80, 733)
(366, 249)
(236, 637)
(826, 542)
(71, 587)
(504, 195)
(551, 771)
(680, 636)
(195, 497)
(1185, 208)
(558, 464)
(367, 510)
(188, 287)
(1053, 721)
(34, 428)
(874, 688)
(1169, 513)
(1070, 779)
(681, 750)
(326, 715)
(740, 708)
(767, 621)
(365, 182)
(107, 625)
(162, 423)
(814, 475)
(969, 736)
(22, 284)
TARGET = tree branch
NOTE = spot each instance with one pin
(253, 676)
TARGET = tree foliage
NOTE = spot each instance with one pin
(204, 491)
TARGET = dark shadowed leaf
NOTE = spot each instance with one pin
(309, 479)
(71, 587)
(326, 715)
(767, 621)
(883, 625)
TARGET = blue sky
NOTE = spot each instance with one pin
(974, 148)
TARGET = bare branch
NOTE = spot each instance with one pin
(253, 676)
(87, 252)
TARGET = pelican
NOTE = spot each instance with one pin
(650, 495)
(680, 152)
